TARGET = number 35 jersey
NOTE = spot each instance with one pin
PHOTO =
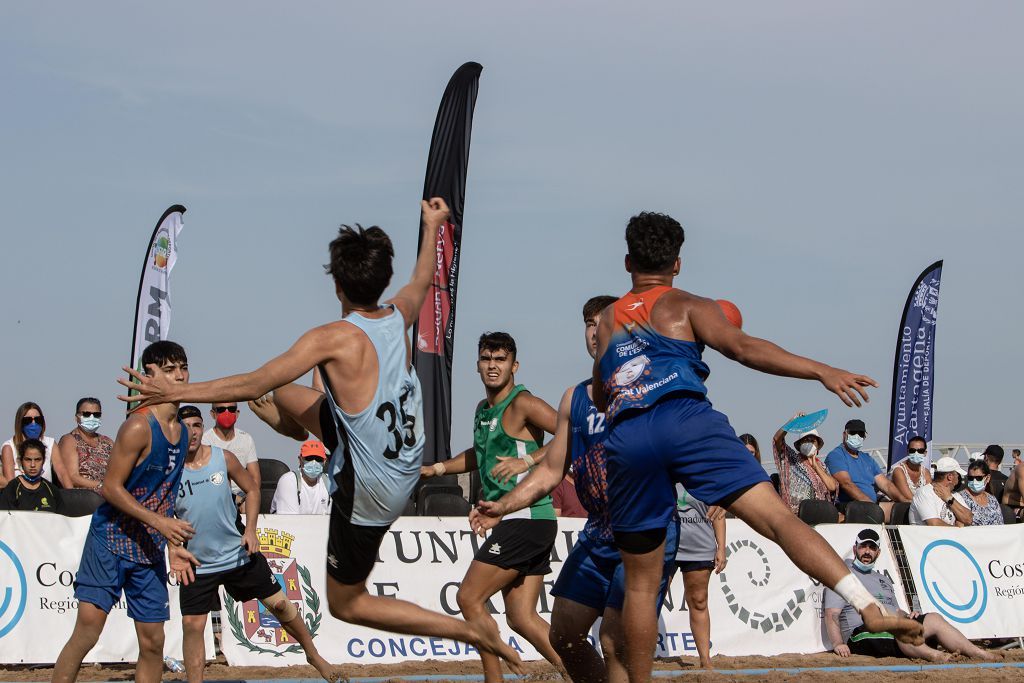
(376, 453)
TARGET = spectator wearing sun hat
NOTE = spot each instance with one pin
(934, 504)
(304, 491)
(802, 476)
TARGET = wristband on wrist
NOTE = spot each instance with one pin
(440, 469)
(530, 462)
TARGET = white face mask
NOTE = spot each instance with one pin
(808, 448)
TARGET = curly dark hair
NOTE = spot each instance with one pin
(361, 263)
(596, 304)
(497, 341)
(654, 241)
(163, 351)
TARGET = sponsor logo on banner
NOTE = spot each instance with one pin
(965, 602)
(14, 595)
(759, 577)
(435, 317)
(252, 625)
(161, 250)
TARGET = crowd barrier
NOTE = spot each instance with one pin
(760, 605)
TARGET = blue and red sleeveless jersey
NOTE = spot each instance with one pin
(589, 462)
(640, 366)
(154, 483)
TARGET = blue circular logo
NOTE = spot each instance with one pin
(12, 598)
(961, 609)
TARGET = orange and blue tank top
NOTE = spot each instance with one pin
(641, 366)
(154, 484)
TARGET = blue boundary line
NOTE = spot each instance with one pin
(667, 673)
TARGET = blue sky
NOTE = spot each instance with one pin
(818, 155)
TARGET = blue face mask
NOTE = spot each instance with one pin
(32, 480)
(976, 486)
(313, 469)
(916, 458)
(32, 430)
(862, 566)
(854, 441)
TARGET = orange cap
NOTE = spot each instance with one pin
(313, 449)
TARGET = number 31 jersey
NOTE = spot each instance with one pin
(376, 453)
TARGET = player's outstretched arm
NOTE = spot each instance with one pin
(409, 299)
(245, 481)
(131, 442)
(540, 482)
(711, 327)
(266, 409)
(460, 464)
(310, 350)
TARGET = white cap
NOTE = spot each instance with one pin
(948, 464)
(977, 455)
(814, 433)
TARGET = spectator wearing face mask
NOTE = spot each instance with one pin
(855, 471)
(909, 474)
(83, 451)
(985, 509)
(30, 490)
(934, 503)
(304, 492)
(225, 435)
(29, 423)
(801, 474)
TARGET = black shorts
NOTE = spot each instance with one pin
(694, 565)
(861, 642)
(250, 581)
(351, 549)
(520, 544)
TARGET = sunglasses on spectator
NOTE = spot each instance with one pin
(859, 433)
(976, 477)
(869, 544)
(221, 409)
(29, 419)
(921, 451)
(91, 413)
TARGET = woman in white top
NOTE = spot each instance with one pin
(29, 423)
(908, 475)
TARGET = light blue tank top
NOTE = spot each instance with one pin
(376, 453)
(205, 502)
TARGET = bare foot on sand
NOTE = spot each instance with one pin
(903, 629)
(328, 671)
(488, 639)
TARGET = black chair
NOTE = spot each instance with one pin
(818, 512)
(410, 508)
(900, 514)
(430, 488)
(863, 512)
(267, 497)
(79, 502)
(440, 504)
(1008, 515)
(271, 470)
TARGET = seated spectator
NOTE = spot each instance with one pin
(29, 423)
(993, 455)
(855, 471)
(565, 500)
(801, 474)
(751, 443)
(304, 492)
(908, 475)
(934, 503)
(985, 509)
(83, 451)
(30, 490)
(846, 629)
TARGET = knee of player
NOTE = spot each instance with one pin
(469, 604)
(152, 641)
(564, 639)
(697, 601)
(193, 623)
(281, 607)
(610, 642)
(517, 620)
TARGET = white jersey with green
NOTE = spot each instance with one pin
(491, 442)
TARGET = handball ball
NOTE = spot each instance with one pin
(731, 312)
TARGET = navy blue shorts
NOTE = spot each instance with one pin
(593, 574)
(102, 576)
(679, 439)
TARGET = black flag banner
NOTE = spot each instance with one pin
(434, 332)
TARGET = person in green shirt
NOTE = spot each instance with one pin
(508, 433)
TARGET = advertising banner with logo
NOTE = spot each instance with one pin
(913, 373)
(39, 555)
(434, 332)
(153, 304)
(973, 577)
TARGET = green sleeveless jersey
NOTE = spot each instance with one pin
(490, 441)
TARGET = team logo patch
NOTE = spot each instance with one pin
(252, 625)
(217, 478)
(631, 371)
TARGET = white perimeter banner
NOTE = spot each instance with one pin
(39, 555)
(973, 577)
